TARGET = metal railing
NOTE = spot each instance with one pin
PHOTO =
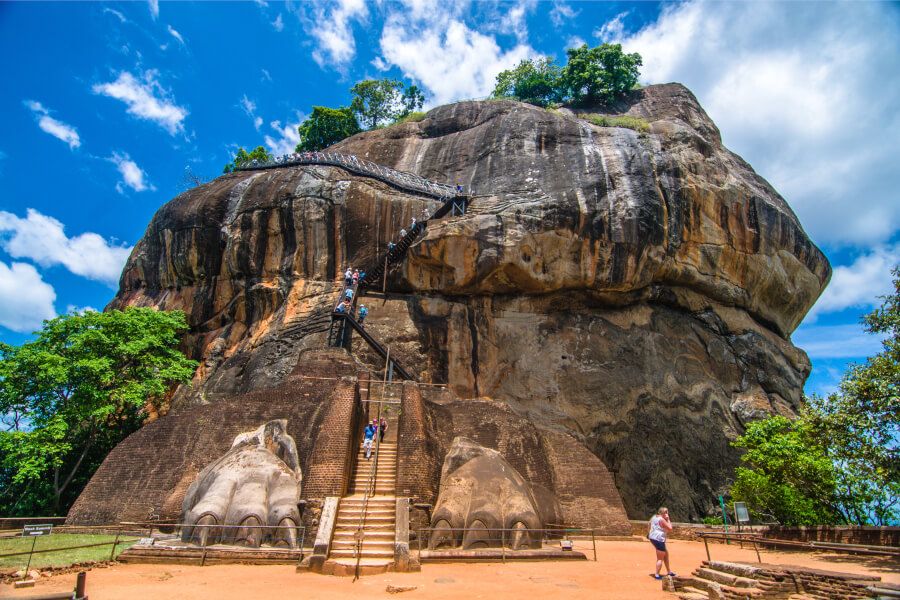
(505, 543)
(354, 164)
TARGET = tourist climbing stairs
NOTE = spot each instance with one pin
(364, 532)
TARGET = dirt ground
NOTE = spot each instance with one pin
(621, 572)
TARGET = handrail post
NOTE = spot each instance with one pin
(503, 544)
(112, 554)
(706, 545)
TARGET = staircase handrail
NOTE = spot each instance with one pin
(370, 487)
(354, 164)
(374, 344)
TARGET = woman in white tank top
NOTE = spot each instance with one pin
(660, 526)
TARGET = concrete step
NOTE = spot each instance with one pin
(365, 553)
(377, 534)
(367, 544)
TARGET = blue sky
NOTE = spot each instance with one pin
(106, 105)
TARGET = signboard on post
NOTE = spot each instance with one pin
(36, 530)
(741, 514)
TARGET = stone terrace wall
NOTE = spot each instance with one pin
(872, 536)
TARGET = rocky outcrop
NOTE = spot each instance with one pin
(634, 290)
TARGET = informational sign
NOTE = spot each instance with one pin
(741, 514)
(35, 530)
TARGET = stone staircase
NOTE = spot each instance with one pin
(376, 551)
(719, 580)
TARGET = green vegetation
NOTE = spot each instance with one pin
(63, 557)
(69, 396)
(413, 117)
(378, 102)
(839, 462)
(591, 75)
(626, 121)
(600, 74)
(242, 158)
(536, 82)
(326, 126)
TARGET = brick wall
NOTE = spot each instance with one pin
(329, 468)
(584, 486)
(150, 471)
(419, 454)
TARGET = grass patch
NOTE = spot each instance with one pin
(62, 557)
(413, 117)
(635, 123)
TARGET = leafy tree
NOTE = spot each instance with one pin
(381, 101)
(599, 74)
(412, 100)
(787, 472)
(839, 462)
(75, 391)
(242, 157)
(862, 423)
(536, 82)
(326, 126)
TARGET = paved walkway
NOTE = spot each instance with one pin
(621, 572)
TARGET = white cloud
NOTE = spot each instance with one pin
(561, 12)
(575, 42)
(25, 298)
(175, 34)
(613, 30)
(330, 24)
(249, 107)
(837, 341)
(434, 47)
(860, 284)
(42, 239)
(146, 99)
(154, 8)
(514, 19)
(265, 75)
(132, 175)
(287, 137)
(800, 91)
(56, 128)
(72, 309)
(115, 13)
(278, 23)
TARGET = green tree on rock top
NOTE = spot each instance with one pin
(243, 158)
(378, 102)
(326, 126)
(69, 396)
(534, 81)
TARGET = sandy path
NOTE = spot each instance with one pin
(621, 572)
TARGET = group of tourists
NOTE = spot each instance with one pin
(352, 277)
(373, 428)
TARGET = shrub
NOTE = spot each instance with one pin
(413, 117)
(628, 122)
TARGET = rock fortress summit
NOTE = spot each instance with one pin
(610, 311)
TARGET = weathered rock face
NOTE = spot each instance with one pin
(634, 290)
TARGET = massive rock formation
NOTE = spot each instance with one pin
(635, 290)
